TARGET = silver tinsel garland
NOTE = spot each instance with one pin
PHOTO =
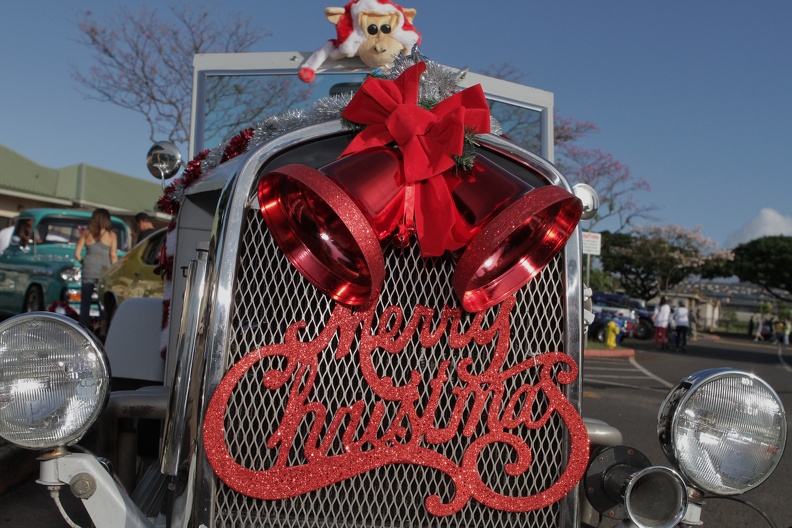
(437, 83)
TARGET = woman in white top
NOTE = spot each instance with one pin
(662, 314)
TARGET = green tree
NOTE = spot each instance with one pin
(718, 264)
(766, 263)
(600, 280)
(765, 309)
(651, 260)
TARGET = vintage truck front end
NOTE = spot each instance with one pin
(385, 415)
(316, 377)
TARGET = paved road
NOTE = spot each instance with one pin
(625, 392)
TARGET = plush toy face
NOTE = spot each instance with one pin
(377, 31)
(379, 48)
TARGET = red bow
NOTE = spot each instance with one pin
(427, 140)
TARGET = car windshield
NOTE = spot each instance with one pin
(22, 232)
(152, 253)
(235, 101)
(63, 230)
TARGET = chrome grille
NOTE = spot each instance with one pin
(258, 294)
(269, 295)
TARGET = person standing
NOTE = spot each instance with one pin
(694, 319)
(779, 332)
(682, 320)
(661, 317)
(100, 244)
(760, 325)
(143, 226)
(5, 237)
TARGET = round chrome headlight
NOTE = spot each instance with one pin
(54, 380)
(725, 430)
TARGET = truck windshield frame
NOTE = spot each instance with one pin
(230, 92)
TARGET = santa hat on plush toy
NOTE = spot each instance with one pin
(350, 35)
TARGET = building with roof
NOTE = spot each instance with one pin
(24, 184)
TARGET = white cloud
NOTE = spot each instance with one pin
(768, 222)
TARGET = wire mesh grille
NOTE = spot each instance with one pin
(269, 295)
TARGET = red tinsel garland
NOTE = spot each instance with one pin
(237, 145)
(168, 203)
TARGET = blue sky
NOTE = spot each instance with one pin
(693, 95)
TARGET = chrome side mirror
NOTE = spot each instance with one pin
(590, 200)
(163, 160)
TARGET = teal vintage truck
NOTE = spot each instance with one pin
(39, 268)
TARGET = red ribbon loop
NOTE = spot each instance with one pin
(428, 141)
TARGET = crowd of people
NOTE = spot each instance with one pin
(772, 330)
(680, 324)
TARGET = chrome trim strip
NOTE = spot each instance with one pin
(181, 422)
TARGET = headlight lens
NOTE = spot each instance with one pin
(725, 430)
(54, 380)
(71, 274)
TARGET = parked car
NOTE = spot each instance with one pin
(134, 275)
(38, 268)
(644, 327)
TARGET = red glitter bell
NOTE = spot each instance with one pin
(516, 228)
(331, 223)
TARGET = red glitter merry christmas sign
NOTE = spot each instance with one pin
(409, 438)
